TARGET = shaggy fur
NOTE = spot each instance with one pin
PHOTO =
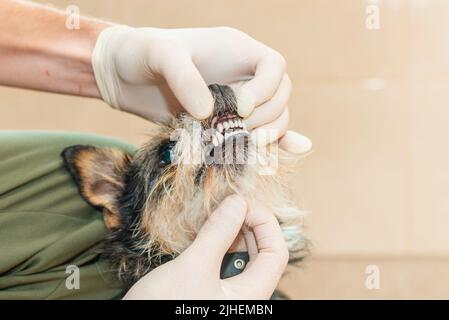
(156, 200)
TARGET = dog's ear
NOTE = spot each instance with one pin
(98, 173)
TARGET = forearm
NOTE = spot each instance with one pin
(38, 51)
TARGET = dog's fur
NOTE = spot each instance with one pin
(154, 206)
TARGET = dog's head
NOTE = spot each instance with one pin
(162, 194)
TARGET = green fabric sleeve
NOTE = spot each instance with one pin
(45, 225)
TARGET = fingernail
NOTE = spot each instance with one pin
(245, 102)
(295, 143)
(204, 108)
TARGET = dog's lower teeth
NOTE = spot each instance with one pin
(226, 129)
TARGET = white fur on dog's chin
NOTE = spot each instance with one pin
(184, 208)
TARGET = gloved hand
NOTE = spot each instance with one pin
(195, 274)
(154, 73)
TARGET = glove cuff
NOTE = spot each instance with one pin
(103, 64)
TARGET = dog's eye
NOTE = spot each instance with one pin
(166, 154)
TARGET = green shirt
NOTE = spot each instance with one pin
(45, 226)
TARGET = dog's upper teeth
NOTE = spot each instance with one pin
(236, 126)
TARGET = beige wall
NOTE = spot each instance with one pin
(375, 104)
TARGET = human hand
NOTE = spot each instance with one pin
(155, 72)
(195, 274)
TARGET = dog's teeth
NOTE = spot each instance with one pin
(231, 123)
(220, 127)
(215, 141)
(220, 138)
(230, 134)
(226, 125)
(243, 125)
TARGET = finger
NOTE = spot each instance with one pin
(187, 85)
(220, 230)
(269, 72)
(239, 244)
(271, 109)
(272, 131)
(295, 143)
(263, 274)
(250, 241)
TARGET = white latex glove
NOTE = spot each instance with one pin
(195, 274)
(155, 73)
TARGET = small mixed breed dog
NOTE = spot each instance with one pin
(156, 200)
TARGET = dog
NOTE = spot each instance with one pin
(156, 200)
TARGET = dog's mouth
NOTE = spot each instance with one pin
(228, 139)
(225, 127)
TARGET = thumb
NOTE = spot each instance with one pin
(265, 270)
(188, 86)
(221, 229)
(295, 143)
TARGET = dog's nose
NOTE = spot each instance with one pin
(225, 100)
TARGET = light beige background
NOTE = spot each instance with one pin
(374, 102)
